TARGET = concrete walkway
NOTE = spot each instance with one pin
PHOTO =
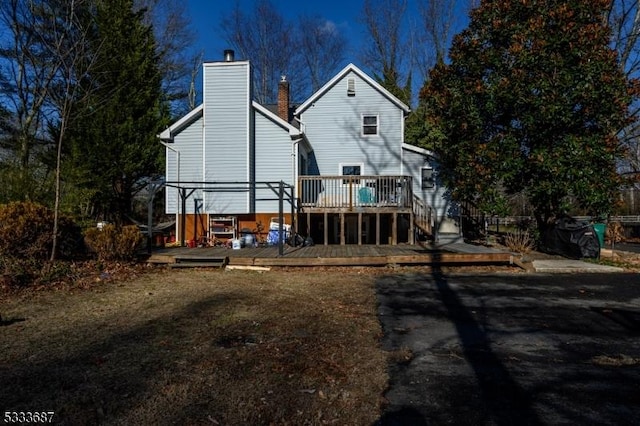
(562, 266)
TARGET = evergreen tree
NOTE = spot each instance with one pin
(531, 103)
(114, 147)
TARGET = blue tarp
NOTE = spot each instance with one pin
(272, 237)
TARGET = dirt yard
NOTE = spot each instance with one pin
(198, 347)
(306, 347)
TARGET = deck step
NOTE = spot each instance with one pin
(199, 262)
(449, 237)
(186, 265)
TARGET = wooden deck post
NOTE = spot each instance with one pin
(359, 229)
(326, 228)
(412, 233)
(377, 228)
(394, 228)
(342, 239)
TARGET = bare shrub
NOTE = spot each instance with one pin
(113, 242)
(519, 242)
(614, 233)
(26, 230)
(26, 241)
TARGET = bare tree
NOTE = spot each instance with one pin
(192, 83)
(30, 72)
(46, 54)
(323, 48)
(267, 39)
(307, 49)
(385, 24)
(174, 37)
(624, 20)
(438, 19)
(67, 41)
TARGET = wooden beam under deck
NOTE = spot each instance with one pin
(430, 259)
(336, 255)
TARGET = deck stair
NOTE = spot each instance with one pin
(423, 217)
(195, 261)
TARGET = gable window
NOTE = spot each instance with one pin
(351, 170)
(351, 87)
(369, 125)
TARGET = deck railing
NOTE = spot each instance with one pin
(424, 216)
(349, 192)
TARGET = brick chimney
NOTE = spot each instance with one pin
(283, 98)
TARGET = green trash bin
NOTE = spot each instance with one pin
(600, 229)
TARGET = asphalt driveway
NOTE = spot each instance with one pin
(512, 349)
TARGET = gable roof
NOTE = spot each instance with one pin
(168, 134)
(351, 68)
(419, 150)
(293, 131)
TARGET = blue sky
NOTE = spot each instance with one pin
(207, 14)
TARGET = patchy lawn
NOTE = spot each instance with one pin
(198, 347)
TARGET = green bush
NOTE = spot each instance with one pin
(114, 243)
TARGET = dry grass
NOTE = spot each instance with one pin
(621, 360)
(519, 242)
(614, 233)
(198, 347)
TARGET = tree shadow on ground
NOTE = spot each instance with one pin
(513, 349)
(506, 403)
(500, 399)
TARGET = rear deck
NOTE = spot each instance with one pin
(357, 209)
(336, 255)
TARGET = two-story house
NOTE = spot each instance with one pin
(337, 163)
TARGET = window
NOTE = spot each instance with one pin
(428, 180)
(351, 170)
(369, 125)
(351, 87)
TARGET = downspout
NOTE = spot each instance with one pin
(294, 176)
(403, 119)
(294, 146)
(177, 152)
(294, 171)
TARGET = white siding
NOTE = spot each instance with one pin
(227, 131)
(333, 126)
(189, 143)
(273, 160)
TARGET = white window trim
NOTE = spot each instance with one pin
(351, 86)
(377, 116)
(432, 184)
(342, 165)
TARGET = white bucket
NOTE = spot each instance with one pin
(235, 244)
